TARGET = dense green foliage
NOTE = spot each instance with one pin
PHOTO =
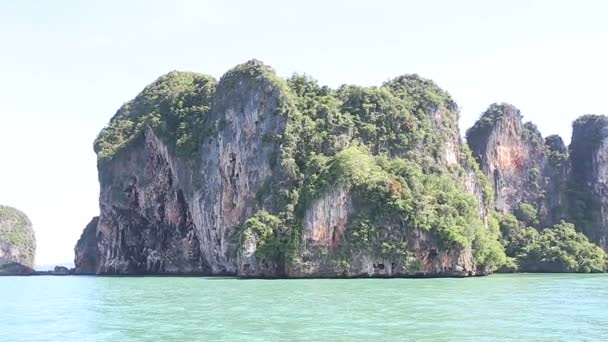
(396, 194)
(527, 214)
(16, 229)
(175, 106)
(393, 119)
(383, 143)
(270, 233)
(557, 249)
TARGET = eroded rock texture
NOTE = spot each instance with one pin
(86, 252)
(588, 183)
(511, 154)
(554, 202)
(560, 183)
(328, 250)
(145, 225)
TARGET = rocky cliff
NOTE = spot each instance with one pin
(511, 154)
(588, 181)
(545, 185)
(526, 170)
(259, 176)
(86, 252)
(554, 196)
(17, 240)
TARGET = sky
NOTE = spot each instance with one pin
(67, 66)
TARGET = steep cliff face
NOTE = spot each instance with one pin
(262, 177)
(524, 168)
(86, 252)
(588, 181)
(17, 240)
(558, 184)
(145, 224)
(237, 161)
(554, 204)
(337, 242)
(511, 154)
(166, 211)
(542, 188)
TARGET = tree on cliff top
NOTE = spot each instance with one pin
(175, 106)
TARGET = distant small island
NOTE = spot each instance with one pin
(17, 242)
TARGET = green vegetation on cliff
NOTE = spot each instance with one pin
(394, 119)
(175, 106)
(16, 230)
(557, 154)
(401, 128)
(387, 144)
(395, 155)
(527, 214)
(542, 189)
(488, 120)
(557, 249)
(384, 144)
(269, 232)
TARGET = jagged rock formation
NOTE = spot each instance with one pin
(511, 154)
(17, 240)
(588, 184)
(554, 198)
(525, 169)
(145, 224)
(86, 252)
(257, 176)
(543, 184)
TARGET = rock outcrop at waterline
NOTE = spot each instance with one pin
(264, 177)
(86, 252)
(17, 239)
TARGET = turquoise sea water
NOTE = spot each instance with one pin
(496, 308)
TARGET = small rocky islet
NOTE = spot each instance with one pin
(258, 176)
(18, 245)
(17, 242)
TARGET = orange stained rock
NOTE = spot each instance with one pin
(510, 157)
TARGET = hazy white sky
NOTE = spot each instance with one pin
(66, 66)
